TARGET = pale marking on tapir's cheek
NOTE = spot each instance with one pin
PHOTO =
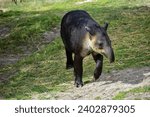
(94, 47)
(89, 45)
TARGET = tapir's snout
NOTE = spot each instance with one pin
(109, 53)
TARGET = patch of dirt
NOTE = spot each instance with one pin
(8, 59)
(51, 35)
(4, 77)
(108, 86)
(4, 31)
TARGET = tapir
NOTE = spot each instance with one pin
(82, 36)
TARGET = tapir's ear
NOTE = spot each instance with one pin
(105, 25)
(90, 30)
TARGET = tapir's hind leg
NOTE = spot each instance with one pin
(69, 63)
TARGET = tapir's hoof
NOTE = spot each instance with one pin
(79, 84)
(95, 79)
(69, 66)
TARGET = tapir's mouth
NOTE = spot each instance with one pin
(107, 52)
(104, 55)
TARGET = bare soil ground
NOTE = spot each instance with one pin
(110, 85)
(107, 87)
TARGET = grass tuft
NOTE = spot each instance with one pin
(122, 95)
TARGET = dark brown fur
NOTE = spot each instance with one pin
(82, 36)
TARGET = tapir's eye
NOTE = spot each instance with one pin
(104, 35)
(100, 45)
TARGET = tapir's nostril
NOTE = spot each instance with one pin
(100, 44)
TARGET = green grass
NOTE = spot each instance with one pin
(44, 70)
(122, 95)
(41, 72)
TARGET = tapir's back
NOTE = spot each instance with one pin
(74, 17)
(73, 28)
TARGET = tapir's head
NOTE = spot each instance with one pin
(100, 42)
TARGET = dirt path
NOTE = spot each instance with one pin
(110, 85)
(6, 59)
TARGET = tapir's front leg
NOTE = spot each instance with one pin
(78, 70)
(99, 65)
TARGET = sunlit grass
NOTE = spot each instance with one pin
(122, 95)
